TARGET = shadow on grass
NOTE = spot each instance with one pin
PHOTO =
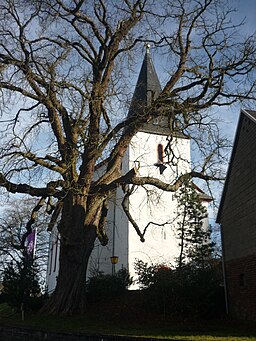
(116, 318)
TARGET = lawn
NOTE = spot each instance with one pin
(116, 322)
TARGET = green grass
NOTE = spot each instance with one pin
(99, 321)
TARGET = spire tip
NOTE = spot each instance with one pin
(147, 45)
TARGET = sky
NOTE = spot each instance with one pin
(246, 9)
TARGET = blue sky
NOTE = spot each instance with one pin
(246, 9)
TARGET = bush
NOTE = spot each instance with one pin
(103, 287)
(187, 292)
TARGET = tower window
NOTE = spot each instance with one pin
(160, 153)
(160, 159)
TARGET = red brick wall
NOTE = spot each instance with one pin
(241, 285)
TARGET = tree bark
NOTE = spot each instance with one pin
(76, 244)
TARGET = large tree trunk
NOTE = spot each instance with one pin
(76, 244)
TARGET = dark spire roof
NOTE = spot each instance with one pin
(147, 88)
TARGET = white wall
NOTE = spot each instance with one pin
(117, 231)
(53, 261)
(157, 206)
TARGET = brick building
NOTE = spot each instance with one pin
(237, 216)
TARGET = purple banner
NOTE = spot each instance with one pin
(31, 241)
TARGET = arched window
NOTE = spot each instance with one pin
(160, 158)
(160, 153)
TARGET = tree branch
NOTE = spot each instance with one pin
(27, 189)
(140, 181)
(125, 205)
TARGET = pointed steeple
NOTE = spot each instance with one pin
(147, 88)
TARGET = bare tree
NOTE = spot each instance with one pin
(16, 223)
(64, 75)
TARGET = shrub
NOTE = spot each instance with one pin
(103, 287)
(188, 292)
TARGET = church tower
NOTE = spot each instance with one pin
(154, 211)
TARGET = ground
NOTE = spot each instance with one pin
(127, 316)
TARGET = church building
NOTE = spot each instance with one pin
(153, 210)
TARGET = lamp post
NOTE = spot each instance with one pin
(114, 261)
(113, 258)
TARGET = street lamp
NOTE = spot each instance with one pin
(114, 261)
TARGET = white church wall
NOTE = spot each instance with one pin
(117, 231)
(205, 221)
(156, 206)
(53, 261)
(143, 151)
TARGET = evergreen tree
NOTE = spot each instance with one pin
(21, 284)
(194, 237)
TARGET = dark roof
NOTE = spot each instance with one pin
(202, 195)
(251, 114)
(147, 88)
